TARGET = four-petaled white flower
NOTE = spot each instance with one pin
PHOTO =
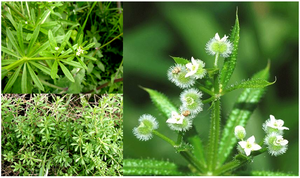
(249, 145)
(193, 67)
(217, 37)
(280, 141)
(276, 123)
(56, 48)
(175, 118)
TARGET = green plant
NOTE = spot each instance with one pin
(214, 157)
(61, 47)
(62, 135)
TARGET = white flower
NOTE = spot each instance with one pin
(79, 51)
(249, 145)
(277, 145)
(56, 48)
(217, 45)
(240, 132)
(26, 22)
(274, 125)
(179, 122)
(196, 69)
(175, 118)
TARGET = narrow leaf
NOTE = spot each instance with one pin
(20, 37)
(40, 49)
(253, 83)
(45, 69)
(180, 60)
(12, 79)
(7, 51)
(161, 102)
(230, 62)
(243, 108)
(13, 40)
(269, 173)
(5, 62)
(54, 70)
(52, 40)
(73, 63)
(198, 148)
(87, 47)
(4, 72)
(33, 39)
(149, 167)
(24, 80)
(89, 57)
(13, 65)
(66, 72)
(35, 78)
(82, 63)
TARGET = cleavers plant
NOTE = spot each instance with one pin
(198, 81)
(49, 46)
(65, 135)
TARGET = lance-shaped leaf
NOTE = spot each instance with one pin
(13, 65)
(12, 40)
(7, 51)
(265, 173)
(230, 62)
(89, 57)
(20, 37)
(12, 79)
(52, 40)
(66, 72)
(82, 63)
(150, 167)
(54, 70)
(180, 60)
(161, 102)
(40, 49)
(33, 39)
(45, 69)
(73, 63)
(87, 47)
(252, 83)
(35, 78)
(243, 108)
(24, 87)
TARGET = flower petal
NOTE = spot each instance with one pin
(243, 144)
(251, 139)
(256, 147)
(247, 151)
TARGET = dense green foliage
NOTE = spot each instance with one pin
(62, 135)
(61, 47)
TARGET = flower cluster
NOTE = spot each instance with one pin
(248, 145)
(79, 51)
(274, 140)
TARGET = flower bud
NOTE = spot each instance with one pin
(177, 73)
(240, 132)
(277, 145)
(191, 100)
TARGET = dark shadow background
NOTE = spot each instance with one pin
(154, 31)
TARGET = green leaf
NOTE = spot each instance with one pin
(149, 167)
(13, 41)
(33, 39)
(81, 62)
(7, 51)
(45, 69)
(13, 65)
(54, 70)
(4, 72)
(40, 49)
(11, 19)
(161, 102)
(12, 79)
(24, 82)
(87, 47)
(66, 72)
(5, 62)
(180, 60)
(35, 78)
(243, 108)
(100, 66)
(20, 38)
(230, 62)
(89, 57)
(79, 41)
(198, 148)
(269, 173)
(73, 63)
(44, 16)
(52, 40)
(253, 83)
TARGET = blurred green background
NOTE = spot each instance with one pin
(154, 31)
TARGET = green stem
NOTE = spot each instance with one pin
(206, 90)
(216, 60)
(192, 160)
(53, 86)
(179, 138)
(209, 100)
(229, 167)
(164, 138)
(111, 40)
(215, 128)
